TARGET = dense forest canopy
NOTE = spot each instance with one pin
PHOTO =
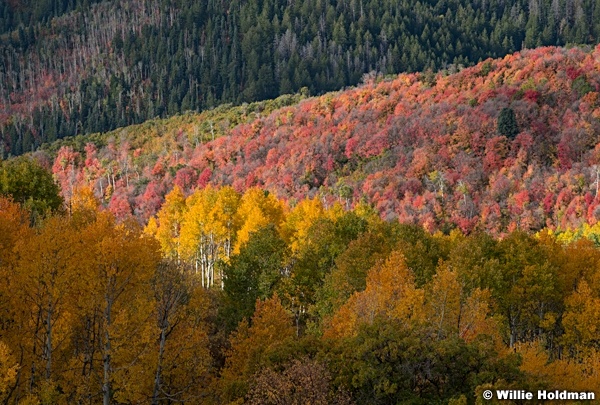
(508, 144)
(417, 239)
(230, 297)
(73, 67)
(505, 146)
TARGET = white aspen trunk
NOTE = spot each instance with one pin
(212, 257)
(202, 265)
(201, 273)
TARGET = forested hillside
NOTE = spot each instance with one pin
(206, 211)
(229, 298)
(73, 67)
(508, 144)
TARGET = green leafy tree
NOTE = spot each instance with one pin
(253, 274)
(29, 184)
(390, 363)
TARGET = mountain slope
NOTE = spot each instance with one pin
(122, 62)
(421, 148)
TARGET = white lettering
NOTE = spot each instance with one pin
(544, 395)
(512, 394)
(502, 394)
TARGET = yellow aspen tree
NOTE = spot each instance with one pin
(223, 227)
(475, 319)
(451, 311)
(122, 267)
(83, 199)
(444, 294)
(368, 213)
(271, 328)
(181, 361)
(581, 319)
(226, 218)
(257, 209)
(299, 221)
(167, 228)
(566, 373)
(199, 244)
(335, 212)
(14, 226)
(578, 260)
(83, 204)
(46, 285)
(390, 292)
(208, 229)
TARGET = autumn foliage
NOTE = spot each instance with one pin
(507, 144)
(370, 246)
(242, 298)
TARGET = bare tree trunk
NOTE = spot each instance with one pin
(158, 377)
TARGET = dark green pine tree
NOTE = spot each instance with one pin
(507, 123)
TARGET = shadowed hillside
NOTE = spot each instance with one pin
(70, 67)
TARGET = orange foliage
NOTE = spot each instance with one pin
(390, 291)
